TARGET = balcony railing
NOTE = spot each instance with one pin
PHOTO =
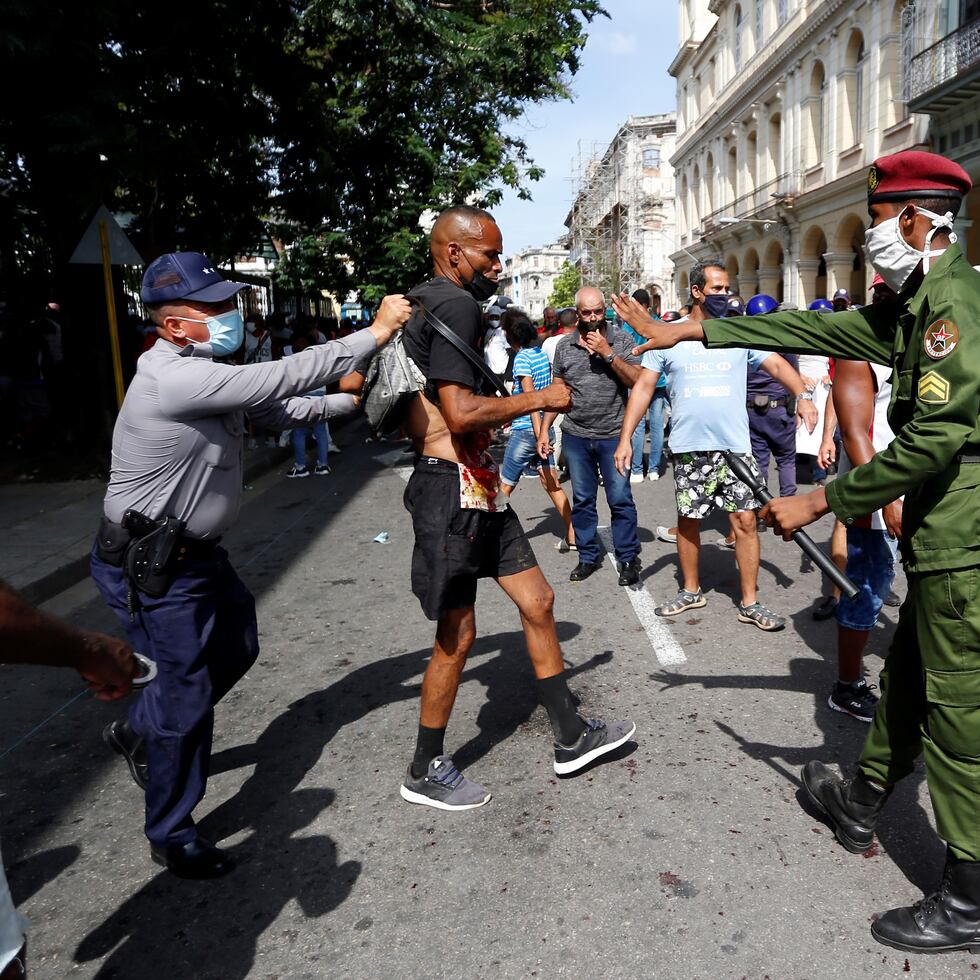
(945, 63)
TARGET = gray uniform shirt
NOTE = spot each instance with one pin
(598, 396)
(177, 444)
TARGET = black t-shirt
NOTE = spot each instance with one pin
(436, 358)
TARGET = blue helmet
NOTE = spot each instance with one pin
(822, 305)
(760, 304)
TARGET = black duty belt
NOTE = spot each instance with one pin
(773, 403)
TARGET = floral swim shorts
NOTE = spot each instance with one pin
(704, 481)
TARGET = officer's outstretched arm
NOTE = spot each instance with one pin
(866, 334)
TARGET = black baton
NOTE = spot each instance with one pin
(761, 493)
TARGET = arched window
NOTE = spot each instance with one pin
(814, 147)
(859, 92)
(651, 158)
(851, 98)
(738, 38)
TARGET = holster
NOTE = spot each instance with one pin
(112, 543)
(149, 560)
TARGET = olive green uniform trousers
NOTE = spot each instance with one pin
(930, 703)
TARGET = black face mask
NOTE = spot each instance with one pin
(480, 287)
(715, 305)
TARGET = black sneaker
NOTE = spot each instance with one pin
(857, 700)
(125, 742)
(584, 569)
(629, 571)
(597, 739)
(321, 469)
(297, 472)
(824, 609)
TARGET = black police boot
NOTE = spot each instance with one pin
(124, 741)
(852, 805)
(942, 922)
(199, 859)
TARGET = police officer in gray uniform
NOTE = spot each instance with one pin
(175, 488)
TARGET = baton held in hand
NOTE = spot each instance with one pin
(806, 543)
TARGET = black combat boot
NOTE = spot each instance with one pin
(852, 805)
(944, 921)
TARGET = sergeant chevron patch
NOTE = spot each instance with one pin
(933, 389)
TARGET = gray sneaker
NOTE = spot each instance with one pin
(597, 739)
(443, 787)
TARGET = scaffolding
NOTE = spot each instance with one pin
(612, 208)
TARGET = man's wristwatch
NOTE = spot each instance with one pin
(610, 358)
(806, 395)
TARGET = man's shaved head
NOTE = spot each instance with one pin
(462, 223)
(465, 242)
(589, 296)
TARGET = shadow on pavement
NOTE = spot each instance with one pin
(209, 930)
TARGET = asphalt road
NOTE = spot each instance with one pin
(686, 855)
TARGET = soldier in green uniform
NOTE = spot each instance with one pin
(930, 701)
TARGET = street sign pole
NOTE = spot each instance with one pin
(110, 302)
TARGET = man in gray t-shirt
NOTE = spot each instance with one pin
(598, 365)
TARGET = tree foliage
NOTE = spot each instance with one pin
(564, 287)
(333, 124)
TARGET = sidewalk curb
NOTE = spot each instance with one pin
(76, 570)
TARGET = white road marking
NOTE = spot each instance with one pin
(668, 651)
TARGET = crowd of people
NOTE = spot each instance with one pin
(590, 381)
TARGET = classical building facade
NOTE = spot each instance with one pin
(528, 276)
(782, 107)
(622, 226)
(944, 82)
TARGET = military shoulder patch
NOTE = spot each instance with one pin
(941, 339)
(933, 389)
(872, 179)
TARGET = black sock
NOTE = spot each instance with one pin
(554, 694)
(429, 745)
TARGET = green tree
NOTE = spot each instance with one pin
(566, 283)
(334, 125)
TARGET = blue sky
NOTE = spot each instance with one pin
(623, 73)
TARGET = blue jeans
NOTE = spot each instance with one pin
(587, 458)
(522, 454)
(871, 557)
(322, 437)
(655, 416)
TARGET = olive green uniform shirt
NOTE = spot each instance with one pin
(932, 341)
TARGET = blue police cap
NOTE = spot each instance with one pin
(186, 275)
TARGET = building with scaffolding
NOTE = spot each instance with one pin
(783, 105)
(621, 223)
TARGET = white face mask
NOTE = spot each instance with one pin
(893, 257)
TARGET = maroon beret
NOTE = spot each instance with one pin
(915, 173)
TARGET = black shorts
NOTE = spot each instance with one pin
(455, 547)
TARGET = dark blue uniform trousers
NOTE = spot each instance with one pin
(774, 432)
(204, 638)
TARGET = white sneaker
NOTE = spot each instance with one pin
(663, 534)
(334, 448)
(653, 475)
(636, 477)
